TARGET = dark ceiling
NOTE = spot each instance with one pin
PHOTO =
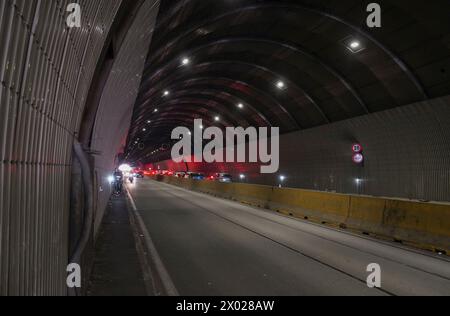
(239, 50)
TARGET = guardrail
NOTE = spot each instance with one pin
(422, 225)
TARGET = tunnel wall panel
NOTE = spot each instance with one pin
(45, 72)
(407, 155)
(117, 102)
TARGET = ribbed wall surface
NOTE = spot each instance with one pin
(46, 71)
(119, 96)
(407, 152)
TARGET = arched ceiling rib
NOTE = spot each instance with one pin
(209, 100)
(269, 5)
(239, 50)
(266, 105)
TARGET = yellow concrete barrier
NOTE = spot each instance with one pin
(424, 225)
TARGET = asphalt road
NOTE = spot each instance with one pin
(211, 246)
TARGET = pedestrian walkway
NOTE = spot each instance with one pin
(117, 270)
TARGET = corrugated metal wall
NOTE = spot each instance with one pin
(117, 102)
(46, 71)
(407, 153)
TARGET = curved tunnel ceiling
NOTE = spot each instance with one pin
(238, 51)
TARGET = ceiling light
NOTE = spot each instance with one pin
(280, 85)
(166, 93)
(240, 105)
(185, 61)
(353, 44)
(156, 110)
(217, 119)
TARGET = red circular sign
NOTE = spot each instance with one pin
(358, 158)
(357, 148)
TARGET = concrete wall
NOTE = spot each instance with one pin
(407, 152)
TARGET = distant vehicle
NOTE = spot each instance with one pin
(139, 175)
(180, 174)
(223, 177)
(197, 176)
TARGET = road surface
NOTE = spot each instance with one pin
(211, 246)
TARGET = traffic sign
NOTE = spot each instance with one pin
(357, 148)
(358, 158)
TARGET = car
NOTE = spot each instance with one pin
(196, 176)
(223, 177)
(139, 174)
(180, 174)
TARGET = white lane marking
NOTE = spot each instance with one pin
(166, 280)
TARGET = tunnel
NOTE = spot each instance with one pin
(254, 148)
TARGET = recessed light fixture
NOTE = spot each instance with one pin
(281, 85)
(156, 110)
(353, 44)
(240, 105)
(185, 61)
(202, 31)
(144, 129)
(217, 119)
(166, 93)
